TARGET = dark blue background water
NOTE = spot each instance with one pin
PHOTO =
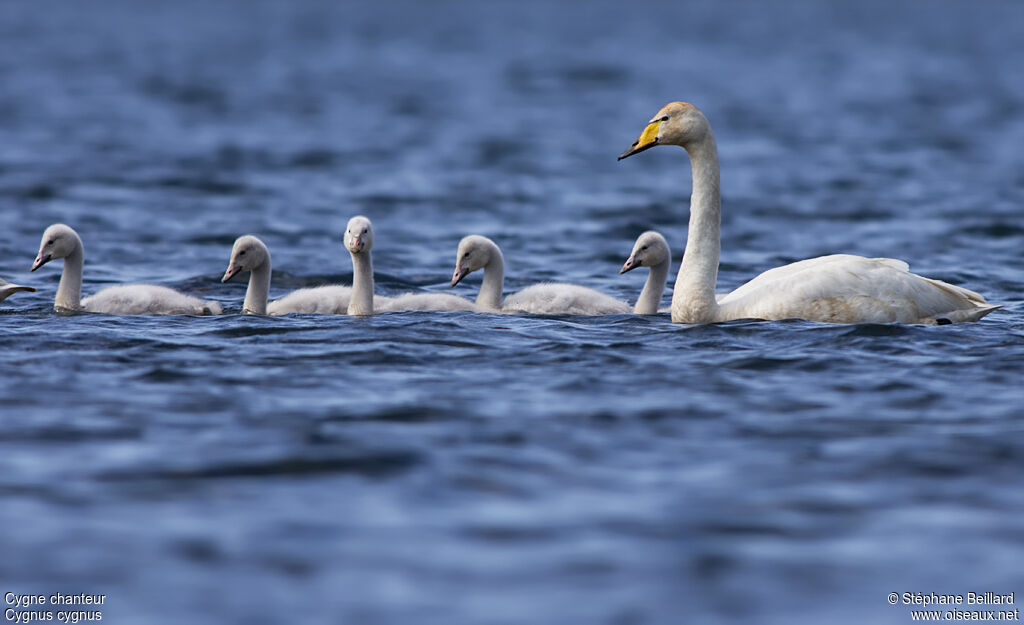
(457, 468)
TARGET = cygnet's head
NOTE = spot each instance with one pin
(247, 254)
(359, 235)
(649, 250)
(474, 253)
(677, 123)
(59, 241)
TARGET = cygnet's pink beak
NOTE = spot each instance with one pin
(40, 261)
(231, 272)
(459, 274)
(631, 264)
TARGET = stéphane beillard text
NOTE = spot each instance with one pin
(971, 598)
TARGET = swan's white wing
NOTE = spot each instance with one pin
(147, 299)
(851, 289)
(322, 300)
(967, 294)
(777, 274)
(425, 301)
(7, 289)
(563, 299)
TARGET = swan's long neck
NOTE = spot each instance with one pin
(650, 297)
(259, 288)
(693, 299)
(362, 284)
(69, 291)
(494, 280)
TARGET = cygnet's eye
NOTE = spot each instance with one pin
(466, 255)
(665, 118)
(242, 253)
(364, 230)
(51, 241)
(644, 248)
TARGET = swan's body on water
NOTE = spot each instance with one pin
(427, 301)
(843, 288)
(61, 241)
(557, 298)
(250, 254)
(8, 289)
(548, 298)
(330, 299)
(835, 289)
(650, 250)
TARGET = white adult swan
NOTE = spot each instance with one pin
(250, 254)
(835, 289)
(650, 250)
(7, 289)
(548, 298)
(359, 242)
(60, 241)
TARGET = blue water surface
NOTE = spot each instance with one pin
(452, 468)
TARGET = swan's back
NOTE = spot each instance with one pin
(321, 300)
(551, 298)
(147, 299)
(425, 301)
(843, 288)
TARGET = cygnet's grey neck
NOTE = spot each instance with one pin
(259, 289)
(494, 280)
(362, 284)
(69, 291)
(650, 296)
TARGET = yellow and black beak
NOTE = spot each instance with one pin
(648, 139)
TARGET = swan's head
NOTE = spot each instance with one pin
(677, 123)
(59, 241)
(649, 250)
(358, 235)
(474, 253)
(247, 254)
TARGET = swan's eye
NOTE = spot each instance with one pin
(51, 242)
(466, 255)
(644, 248)
(364, 230)
(665, 118)
(242, 253)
